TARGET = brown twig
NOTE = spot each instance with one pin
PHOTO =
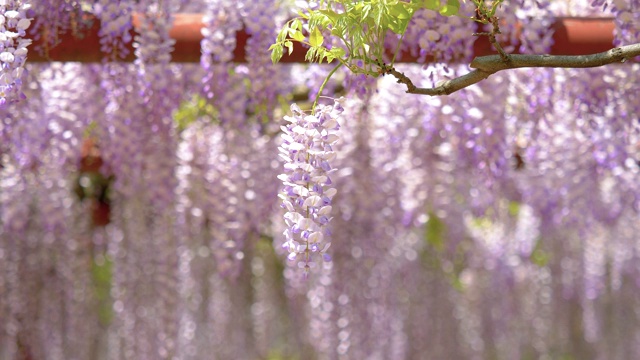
(485, 66)
(495, 30)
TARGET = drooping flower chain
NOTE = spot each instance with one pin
(116, 24)
(153, 47)
(260, 18)
(448, 41)
(221, 22)
(626, 18)
(536, 37)
(13, 48)
(54, 17)
(307, 193)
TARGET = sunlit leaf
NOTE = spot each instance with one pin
(399, 11)
(332, 15)
(315, 38)
(495, 7)
(311, 54)
(297, 35)
(289, 46)
(296, 24)
(276, 53)
(366, 9)
(432, 4)
(451, 8)
(337, 52)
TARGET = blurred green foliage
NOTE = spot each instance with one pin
(189, 111)
(102, 274)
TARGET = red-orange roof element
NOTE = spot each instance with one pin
(572, 36)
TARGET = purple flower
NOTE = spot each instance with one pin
(115, 20)
(307, 193)
(13, 49)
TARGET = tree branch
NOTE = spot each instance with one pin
(491, 64)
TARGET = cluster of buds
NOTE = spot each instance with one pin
(307, 192)
(13, 48)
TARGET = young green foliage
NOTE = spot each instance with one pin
(451, 8)
(485, 11)
(358, 26)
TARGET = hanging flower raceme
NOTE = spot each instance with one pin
(626, 18)
(307, 193)
(13, 48)
(116, 23)
(221, 22)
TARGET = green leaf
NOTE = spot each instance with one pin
(435, 232)
(365, 12)
(380, 14)
(315, 38)
(432, 4)
(296, 24)
(282, 34)
(399, 11)
(332, 15)
(452, 8)
(297, 36)
(289, 46)
(320, 54)
(102, 276)
(311, 54)
(317, 18)
(495, 7)
(303, 15)
(337, 52)
(514, 208)
(276, 53)
(400, 23)
(538, 256)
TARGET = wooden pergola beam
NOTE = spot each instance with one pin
(572, 36)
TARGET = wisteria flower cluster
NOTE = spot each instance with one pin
(221, 22)
(626, 19)
(115, 17)
(307, 193)
(154, 45)
(13, 48)
(443, 37)
(259, 20)
(221, 82)
(536, 37)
